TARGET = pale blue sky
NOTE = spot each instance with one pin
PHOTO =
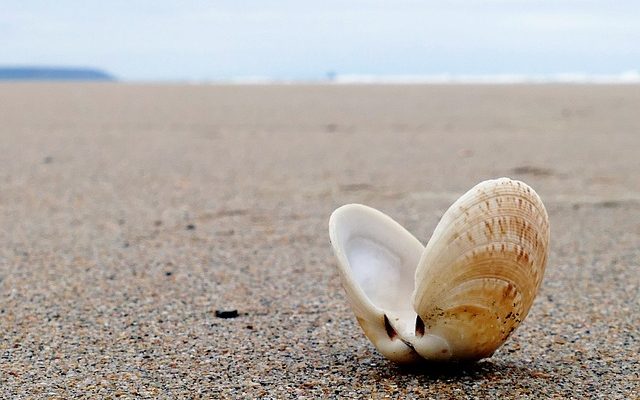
(287, 39)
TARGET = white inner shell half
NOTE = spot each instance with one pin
(385, 278)
(381, 257)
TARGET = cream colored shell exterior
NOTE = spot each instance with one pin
(472, 284)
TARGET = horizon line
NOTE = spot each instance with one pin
(332, 78)
(632, 76)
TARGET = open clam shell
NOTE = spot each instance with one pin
(461, 296)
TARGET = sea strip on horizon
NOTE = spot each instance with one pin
(629, 77)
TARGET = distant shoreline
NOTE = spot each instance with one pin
(630, 77)
(53, 74)
(337, 82)
(87, 74)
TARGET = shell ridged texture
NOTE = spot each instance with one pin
(482, 268)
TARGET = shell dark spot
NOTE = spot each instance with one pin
(390, 331)
(470, 238)
(501, 226)
(489, 229)
(419, 326)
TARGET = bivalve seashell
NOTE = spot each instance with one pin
(461, 296)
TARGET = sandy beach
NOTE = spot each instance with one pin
(129, 214)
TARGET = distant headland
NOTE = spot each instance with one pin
(53, 74)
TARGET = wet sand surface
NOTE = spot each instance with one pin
(130, 214)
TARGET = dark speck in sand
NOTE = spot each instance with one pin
(48, 160)
(168, 273)
(191, 227)
(226, 313)
(533, 171)
(610, 204)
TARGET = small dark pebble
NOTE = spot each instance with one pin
(609, 204)
(531, 170)
(157, 222)
(168, 273)
(249, 326)
(227, 314)
(191, 227)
